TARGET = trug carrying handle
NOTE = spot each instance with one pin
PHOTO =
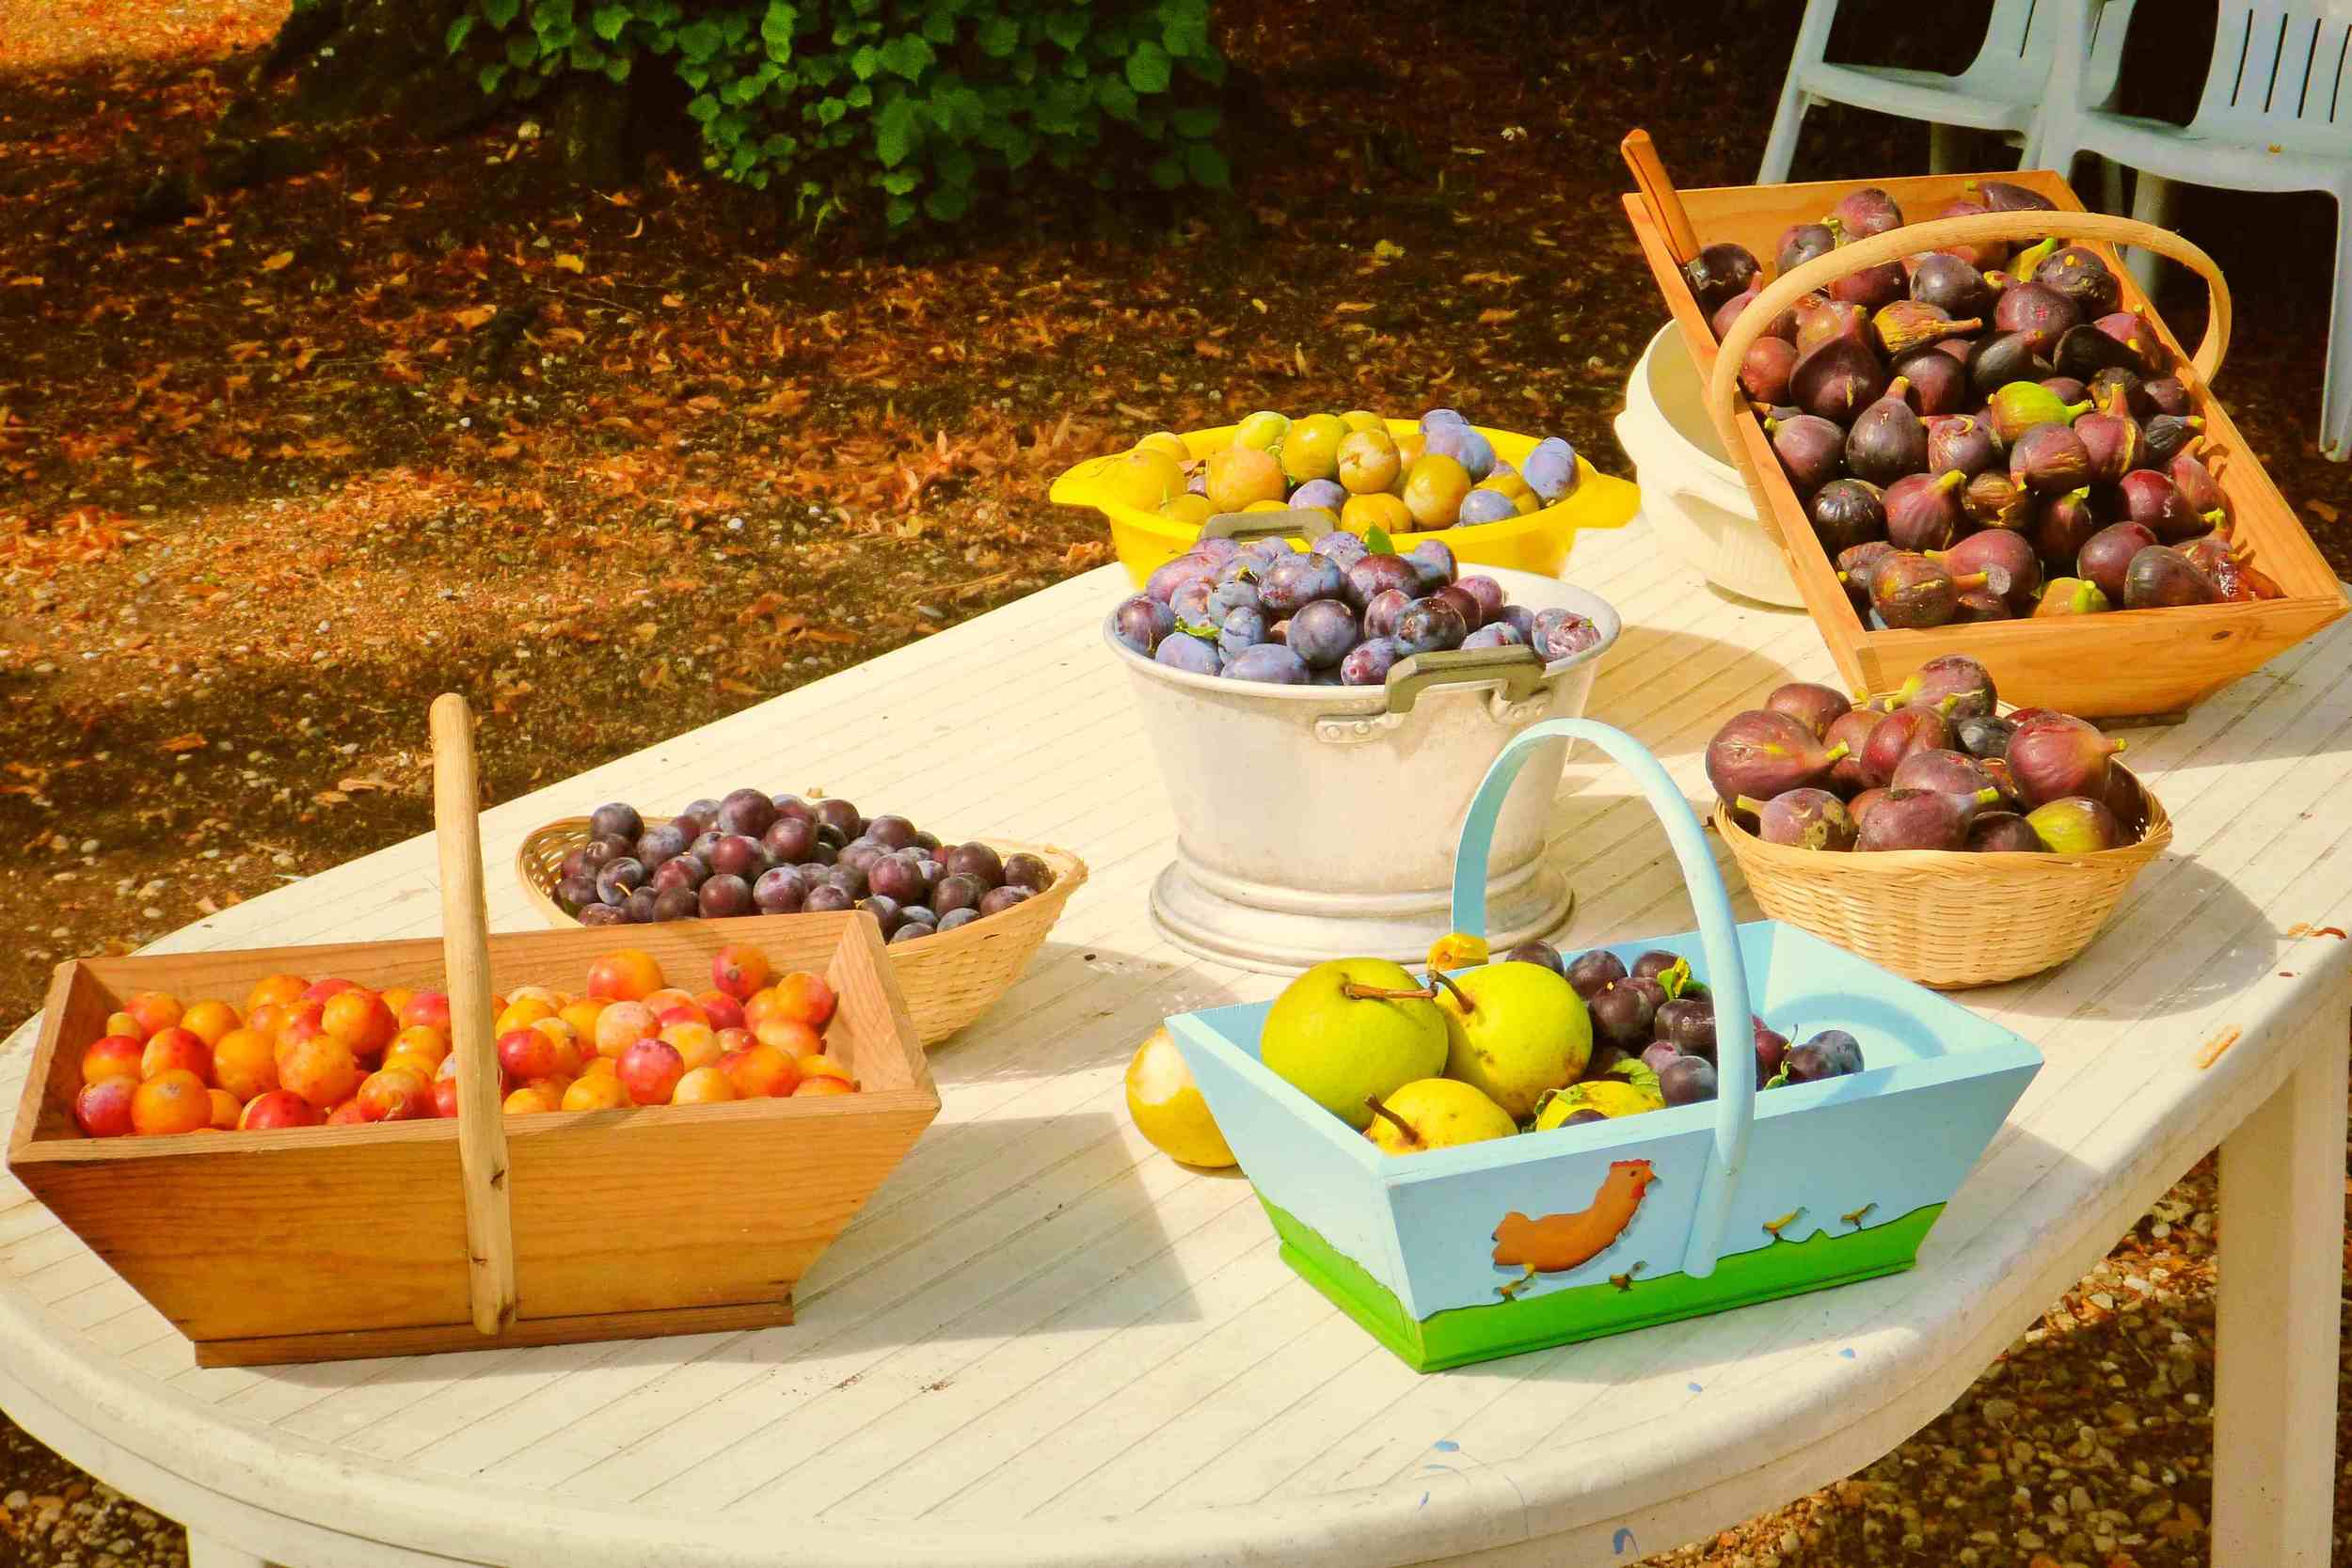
(1735, 1069)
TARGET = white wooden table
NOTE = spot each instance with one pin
(1043, 1343)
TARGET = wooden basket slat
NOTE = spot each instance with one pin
(2123, 663)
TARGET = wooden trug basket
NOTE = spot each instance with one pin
(2117, 664)
(402, 1238)
(949, 977)
(1945, 918)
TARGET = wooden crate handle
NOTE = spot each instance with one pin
(1658, 188)
(466, 945)
(1723, 393)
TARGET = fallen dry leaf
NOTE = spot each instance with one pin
(1495, 314)
(191, 742)
(359, 785)
(569, 262)
(279, 262)
(473, 316)
(1208, 350)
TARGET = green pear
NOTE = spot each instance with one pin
(1513, 1031)
(1437, 1113)
(1340, 1037)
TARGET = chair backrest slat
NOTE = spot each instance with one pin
(2279, 65)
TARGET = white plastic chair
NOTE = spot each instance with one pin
(2276, 115)
(2004, 88)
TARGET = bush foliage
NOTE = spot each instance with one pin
(926, 105)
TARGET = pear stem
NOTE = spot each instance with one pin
(1373, 1101)
(1382, 993)
(1461, 998)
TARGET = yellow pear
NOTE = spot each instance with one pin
(1436, 1113)
(1353, 1028)
(1166, 1106)
(1514, 1030)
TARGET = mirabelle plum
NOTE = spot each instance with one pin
(174, 1101)
(154, 1010)
(123, 1023)
(760, 1071)
(597, 1091)
(522, 1014)
(421, 1041)
(349, 1113)
(319, 990)
(622, 1026)
(735, 1040)
(322, 1069)
(175, 1048)
(551, 1000)
(532, 1098)
(806, 999)
(268, 1019)
(225, 1109)
(811, 1087)
(720, 1011)
(739, 970)
(703, 1085)
(103, 1109)
(358, 1018)
(789, 1036)
(114, 1057)
(582, 1016)
(278, 1108)
(246, 1064)
(395, 1094)
(209, 1021)
(626, 975)
(697, 1044)
(566, 1044)
(275, 991)
(821, 1066)
(650, 1070)
(600, 1067)
(445, 1097)
(525, 1053)
(429, 1008)
(669, 996)
(397, 997)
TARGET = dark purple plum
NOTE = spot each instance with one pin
(826, 898)
(748, 812)
(954, 918)
(1590, 973)
(1687, 1081)
(1368, 663)
(789, 839)
(660, 842)
(780, 890)
(898, 879)
(1563, 634)
(615, 819)
(677, 903)
(1269, 664)
(1535, 951)
(1377, 574)
(616, 880)
(736, 855)
(1027, 871)
(1429, 625)
(1323, 632)
(639, 906)
(841, 817)
(976, 861)
(957, 890)
(1297, 580)
(603, 914)
(576, 893)
(723, 896)
(1622, 1018)
(687, 871)
(849, 880)
(996, 900)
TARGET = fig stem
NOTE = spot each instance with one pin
(1749, 803)
(1461, 997)
(1987, 795)
(1373, 1101)
(1836, 753)
(1382, 993)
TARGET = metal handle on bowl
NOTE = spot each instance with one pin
(1517, 672)
(1312, 521)
(1735, 1104)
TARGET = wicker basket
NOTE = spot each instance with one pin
(1948, 918)
(949, 978)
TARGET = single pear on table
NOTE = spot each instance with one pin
(1352, 1030)
(1513, 1031)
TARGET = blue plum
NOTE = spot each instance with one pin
(1323, 632)
(1239, 630)
(1521, 618)
(1439, 416)
(1226, 597)
(1216, 549)
(1428, 626)
(1375, 573)
(1300, 579)
(1434, 562)
(1184, 652)
(1141, 623)
(1190, 603)
(1486, 506)
(1270, 663)
(1502, 634)
(1465, 445)
(1551, 469)
(1382, 610)
(1167, 579)
(1560, 633)
(1367, 663)
(1325, 493)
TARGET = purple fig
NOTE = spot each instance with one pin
(2117, 390)
(2041, 312)
(1963, 442)
(1939, 381)
(1916, 819)
(1992, 500)
(1801, 820)
(2152, 501)
(2219, 560)
(2161, 577)
(1852, 731)
(1955, 774)
(2131, 329)
(1811, 448)
(2055, 754)
(2074, 826)
(2001, 357)
(1887, 441)
(1924, 514)
(2107, 555)
(1911, 592)
(1813, 705)
(2198, 487)
(1848, 512)
(1718, 272)
(1982, 254)
(1984, 736)
(2170, 396)
(2049, 460)
(1906, 325)
(1823, 320)
(1954, 685)
(1975, 605)
(2084, 277)
(1763, 753)
(1896, 736)
(1837, 380)
(1800, 243)
(2020, 405)
(2066, 390)
(1765, 368)
(1862, 214)
(2000, 196)
(1871, 287)
(1854, 565)
(1997, 833)
(1861, 804)
(2113, 444)
(2072, 597)
(2063, 523)
(1950, 284)
(2168, 434)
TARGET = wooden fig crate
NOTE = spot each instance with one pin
(2116, 664)
(331, 1243)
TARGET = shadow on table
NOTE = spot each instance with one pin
(1646, 654)
(2211, 903)
(1079, 1005)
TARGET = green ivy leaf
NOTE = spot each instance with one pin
(1117, 101)
(1148, 68)
(499, 13)
(616, 68)
(702, 109)
(860, 96)
(899, 182)
(490, 75)
(457, 31)
(1210, 68)
(947, 203)
(1197, 122)
(895, 131)
(584, 56)
(775, 29)
(1067, 28)
(699, 41)
(829, 110)
(522, 49)
(1184, 26)
(1168, 171)
(694, 76)
(607, 20)
(999, 36)
(899, 213)
(865, 61)
(906, 56)
(1207, 166)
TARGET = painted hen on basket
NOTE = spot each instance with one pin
(1553, 1243)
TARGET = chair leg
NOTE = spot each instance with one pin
(2151, 203)
(2110, 186)
(2335, 405)
(1943, 148)
(1780, 147)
